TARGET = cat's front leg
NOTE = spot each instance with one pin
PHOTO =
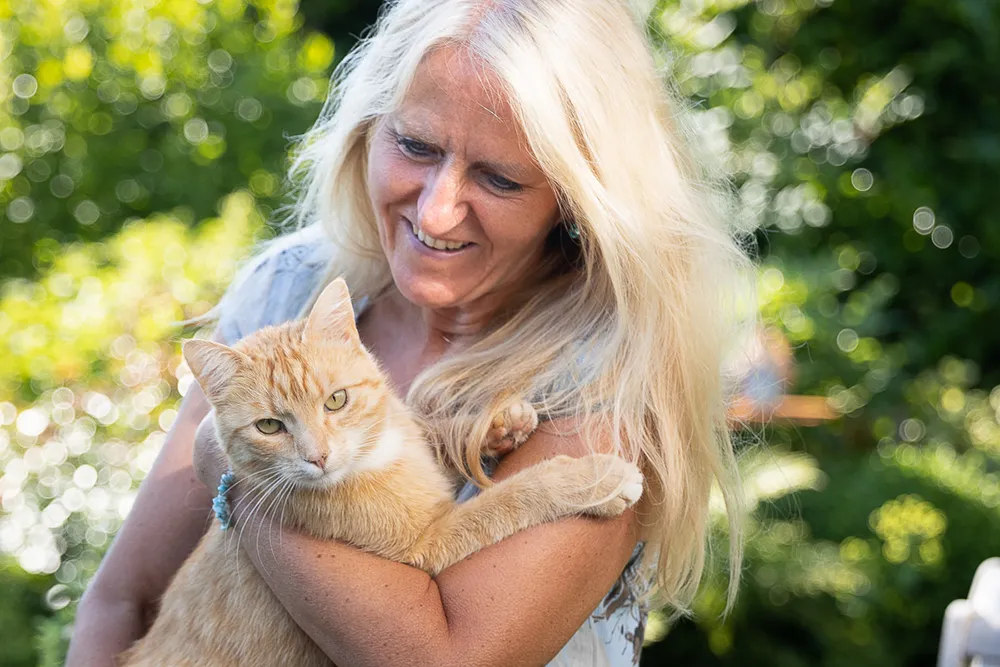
(598, 485)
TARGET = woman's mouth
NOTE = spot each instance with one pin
(437, 244)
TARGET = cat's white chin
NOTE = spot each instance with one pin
(387, 450)
(334, 472)
(323, 480)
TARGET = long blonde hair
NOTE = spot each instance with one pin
(633, 332)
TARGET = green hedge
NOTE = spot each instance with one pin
(865, 136)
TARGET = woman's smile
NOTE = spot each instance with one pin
(442, 246)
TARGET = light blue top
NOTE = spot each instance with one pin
(276, 290)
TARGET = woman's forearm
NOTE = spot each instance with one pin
(104, 628)
(360, 609)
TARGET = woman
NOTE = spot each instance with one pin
(502, 187)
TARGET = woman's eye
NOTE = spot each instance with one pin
(269, 426)
(501, 183)
(336, 401)
(414, 147)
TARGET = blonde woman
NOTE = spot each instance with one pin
(503, 186)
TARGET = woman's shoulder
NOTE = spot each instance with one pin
(275, 285)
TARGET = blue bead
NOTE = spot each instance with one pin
(220, 504)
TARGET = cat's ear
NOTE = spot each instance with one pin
(332, 318)
(214, 365)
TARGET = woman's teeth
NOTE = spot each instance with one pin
(431, 242)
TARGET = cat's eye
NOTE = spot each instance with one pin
(336, 401)
(269, 426)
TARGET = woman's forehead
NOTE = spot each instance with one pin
(455, 100)
(449, 82)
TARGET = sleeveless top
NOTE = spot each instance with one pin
(275, 290)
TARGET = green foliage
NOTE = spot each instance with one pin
(868, 158)
(111, 110)
(142, 147)
(61, 328)
(53, 635)
(22, 606)
(93, 384)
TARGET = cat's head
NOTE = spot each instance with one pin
(302, 401)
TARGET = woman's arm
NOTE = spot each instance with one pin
(170, 514)
(514, 603)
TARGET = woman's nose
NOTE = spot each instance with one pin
(442, 206)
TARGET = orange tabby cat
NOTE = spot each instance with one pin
(310, 424)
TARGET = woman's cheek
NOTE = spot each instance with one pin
(394, 181)
(518, 226)
(379, 180)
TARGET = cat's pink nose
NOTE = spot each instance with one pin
(318, 460)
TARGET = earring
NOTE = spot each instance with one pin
(572, 230)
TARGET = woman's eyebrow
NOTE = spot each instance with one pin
(411, 128)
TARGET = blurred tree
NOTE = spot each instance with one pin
(90, 386)
(868, 158)
(22, 603)
(344, 20)
(111, 110)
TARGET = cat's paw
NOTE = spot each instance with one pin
(616, 485)
(511, 427)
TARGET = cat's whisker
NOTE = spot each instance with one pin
(374, 425)
(270, 478)
(268, 474)
(367, 442)
(252, 475)
(267, 511)
(263, 496)
(291, 492)
(266, 481)
(368, 428)
(274, 473)
(370, 441)
(283, 496)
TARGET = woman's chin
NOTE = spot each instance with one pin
(428, 289)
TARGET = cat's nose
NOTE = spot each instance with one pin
(318, 460)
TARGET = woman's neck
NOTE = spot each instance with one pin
(457, 325)
(435, 331)
(406, 338)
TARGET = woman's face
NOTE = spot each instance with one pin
(463, 210)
